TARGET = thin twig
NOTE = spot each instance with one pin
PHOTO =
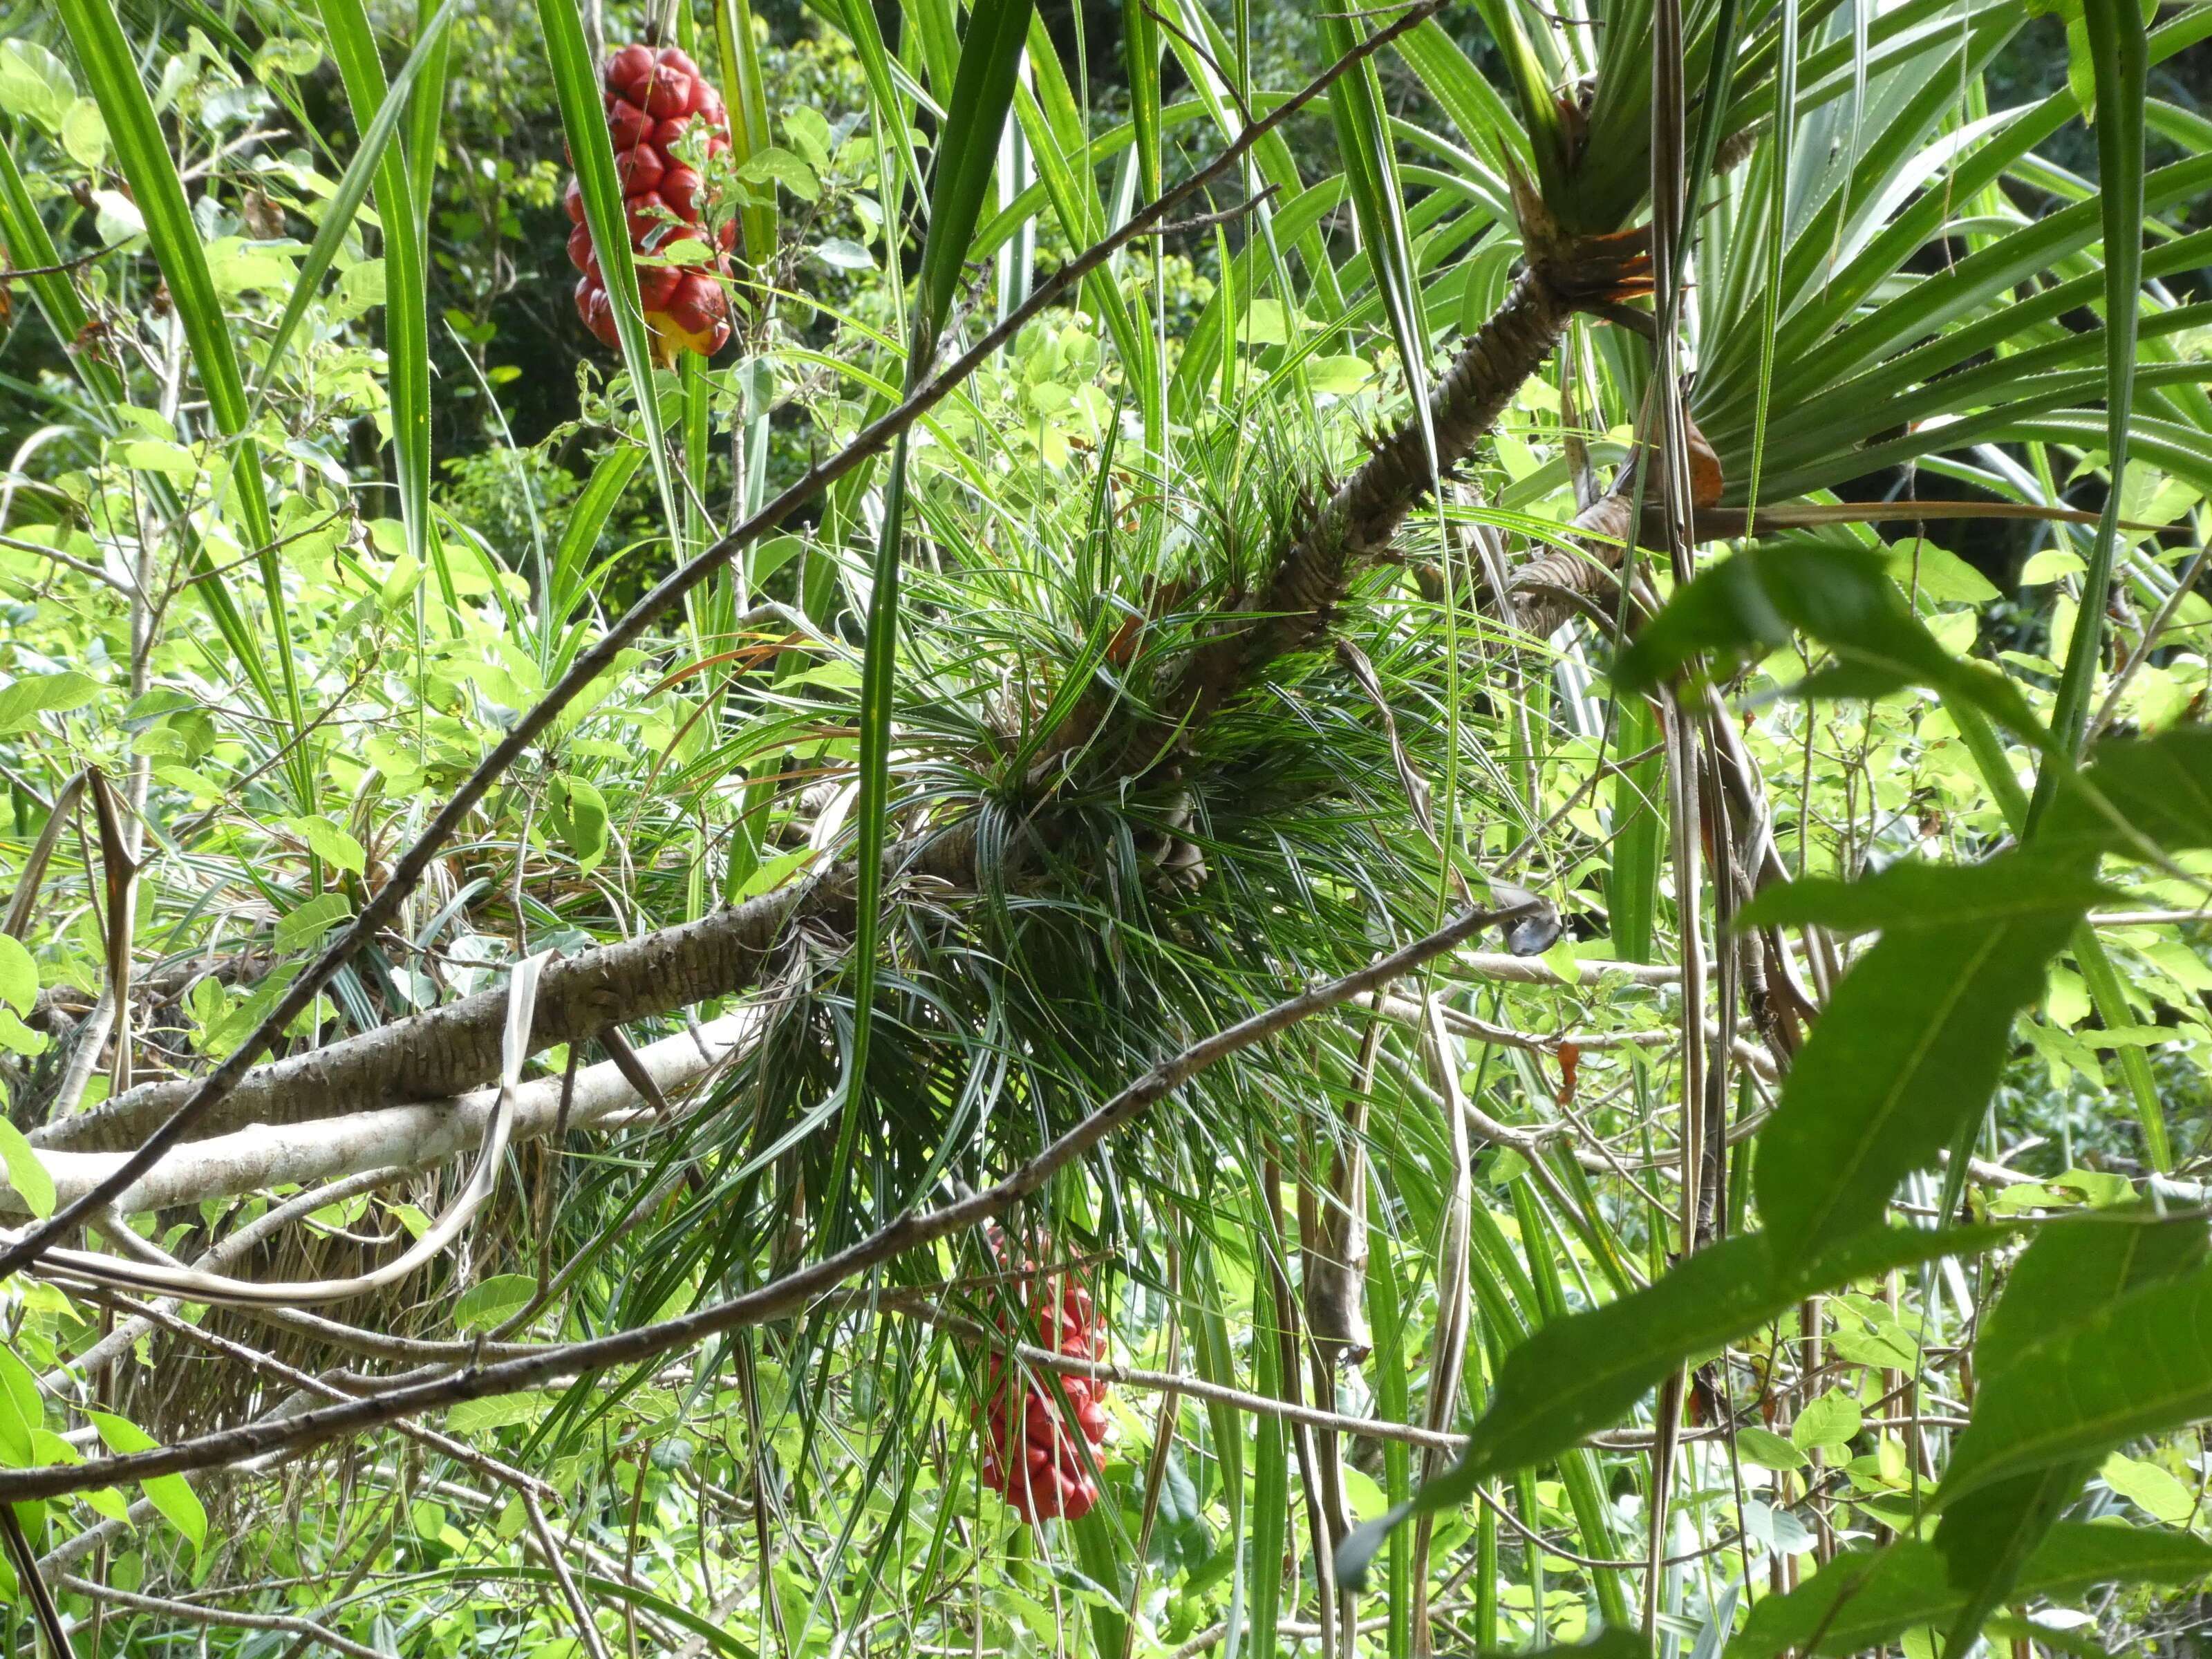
(232, 1349)
(84, 567)
(7, 275)
(1172, 1383)
(588, 1631)
(192, 1614)
(1222, 217)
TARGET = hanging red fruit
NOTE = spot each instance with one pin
(1032, 1453)
(653, 98)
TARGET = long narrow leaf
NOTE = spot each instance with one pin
(145, 157)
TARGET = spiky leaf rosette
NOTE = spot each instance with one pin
(655, 101)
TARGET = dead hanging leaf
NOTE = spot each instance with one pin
(1160, 599)
(91, 340)
(1706, 480)
(263, 219)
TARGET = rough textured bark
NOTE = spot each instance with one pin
(448, 1050)
(1543, 587)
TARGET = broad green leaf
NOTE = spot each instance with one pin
(777, 165)
(1833, 1419)
(1861, 1600)
(485, 1303)
(577, 812)
(2158, 1492)
(1912, 1041)
(169, 1494)
(1986, 1541)
(33, 82)
(34, 695)
(1585, 1372)
(1941, 574)
(303, 927)
(2073, 1269)
(499, 1412)
(22, 1411)
(1341, 376)
(18, 1038)
(2142, 1364)
(25, 1173)
(1840, 595)
(2155, 791)
(1919, 897)
(84, 133)
(1767, 1448)
(19, 975)
(842, 253)
(330, 844)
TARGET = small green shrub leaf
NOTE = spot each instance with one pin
(25, 1173)
(169, 1494)
(19, 975)
(43, 694)
(485, 1304)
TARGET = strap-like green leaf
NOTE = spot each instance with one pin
(2119, 51)
(982, 93)
(406, 302)
(144, 155)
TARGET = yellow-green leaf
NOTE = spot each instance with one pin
(25, 1173)
(170, 1493)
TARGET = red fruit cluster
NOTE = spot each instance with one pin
(1030, 1455)
(653, 98)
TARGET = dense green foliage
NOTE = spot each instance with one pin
(1781, 1227)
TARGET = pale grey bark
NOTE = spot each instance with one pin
(410, 1136)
